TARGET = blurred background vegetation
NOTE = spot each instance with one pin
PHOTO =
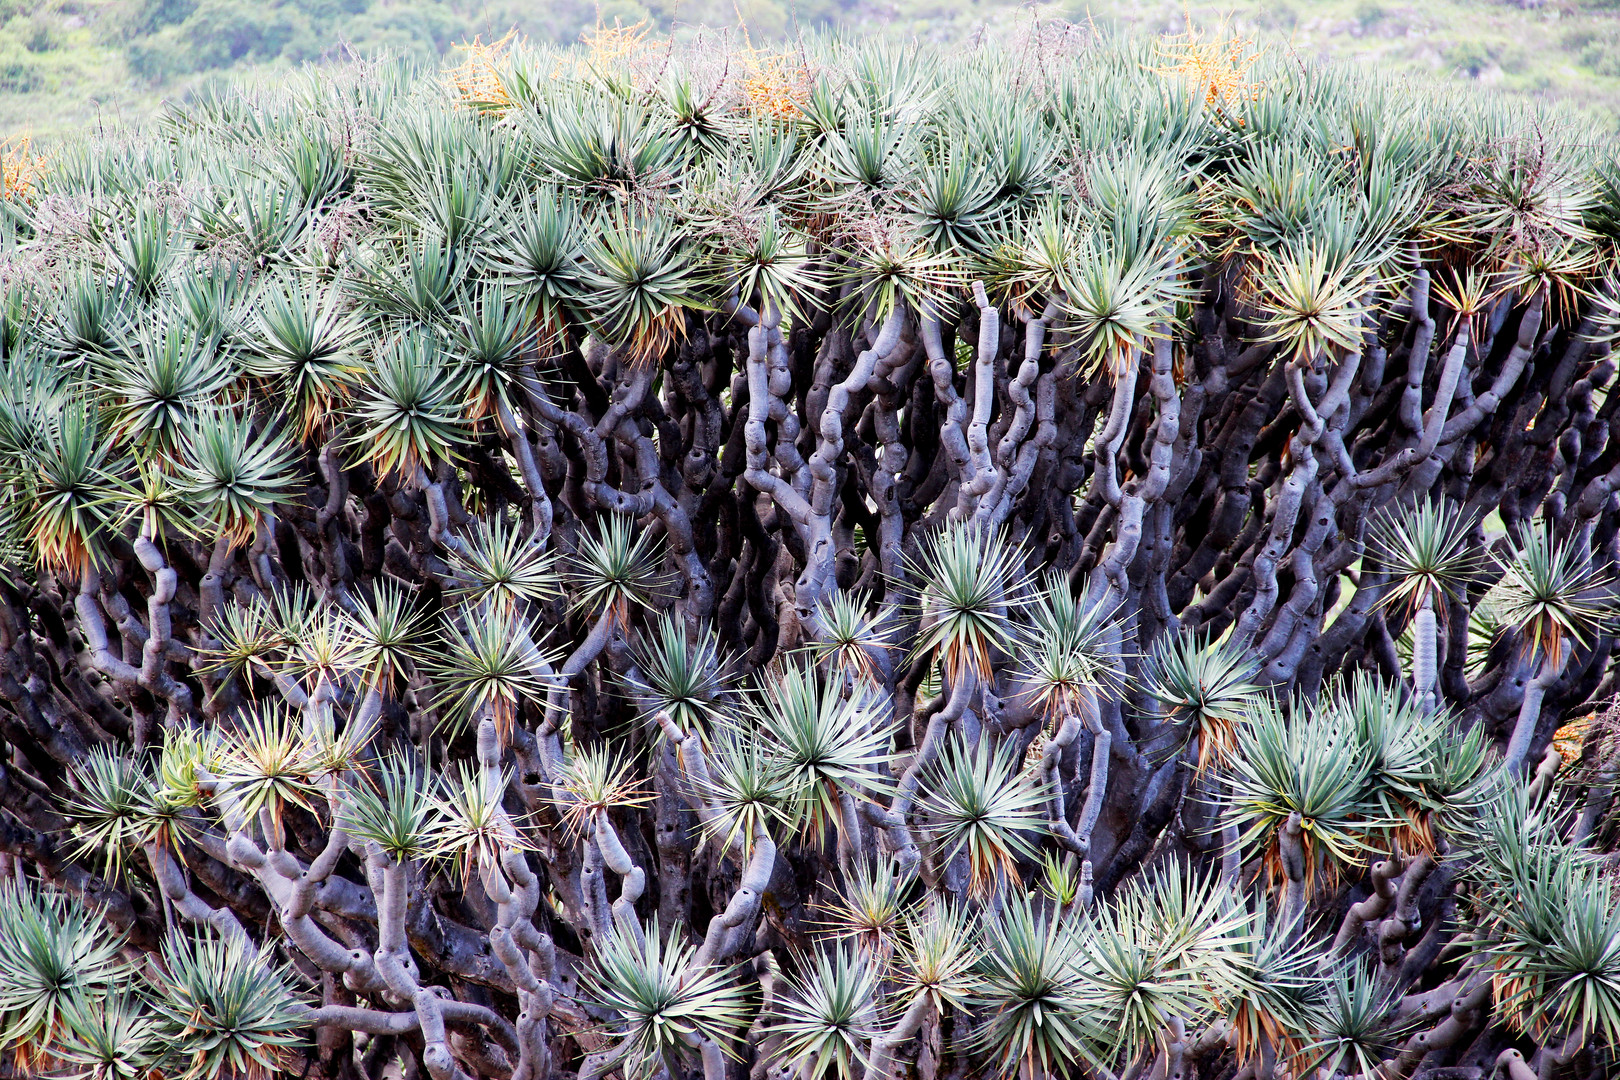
(69, 64)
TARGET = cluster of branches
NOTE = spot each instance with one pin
(1082, 559)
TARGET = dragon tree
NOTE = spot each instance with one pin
(1064, 557)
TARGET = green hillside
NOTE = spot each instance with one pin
(69, 64)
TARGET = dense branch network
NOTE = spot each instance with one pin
(654, 565)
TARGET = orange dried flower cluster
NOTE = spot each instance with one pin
(616, 44)
(19, 168)
(777, 84)
(1568, 739)
(1218, 68)
(477, 79)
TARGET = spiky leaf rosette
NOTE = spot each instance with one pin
(1353, 1027)
(1274, 996)
(599, 141)
(387, 631)
(1417, 766)
(419, 289)
(638, 283)
(690, 680)
(596, 781)
(154, 500)
(853, 635)
(53, 953)
(615, 569)
(980, 803)
(69, 455)
(112, 1038)
(235, 470)
(748, 789)
(393, 808)
(1302, 763)
(870, 908)
(1155, 952)
(889, 265)
(1551, 930)
(954, 201)
(490, 663)
(1312, 301)
(491, 341)
(939, 957)
(1121, 297)
(1065, 653)
(262, 766)
(662, 998)
(767, 267)
(972, 583)
(470, 826)
(111, 808)
(1426, 549)
(323, 647)
(406, 412)
(502, 566)
(155, 386)
(1207, 686)
(1059, 878)
(1030, 992)
(142, 254)
(537, 255)
(225, 1008)
(1553, 594)
(830, 745)
(246, 642)
(300, 344)
(827, 1015)
(119, 806)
